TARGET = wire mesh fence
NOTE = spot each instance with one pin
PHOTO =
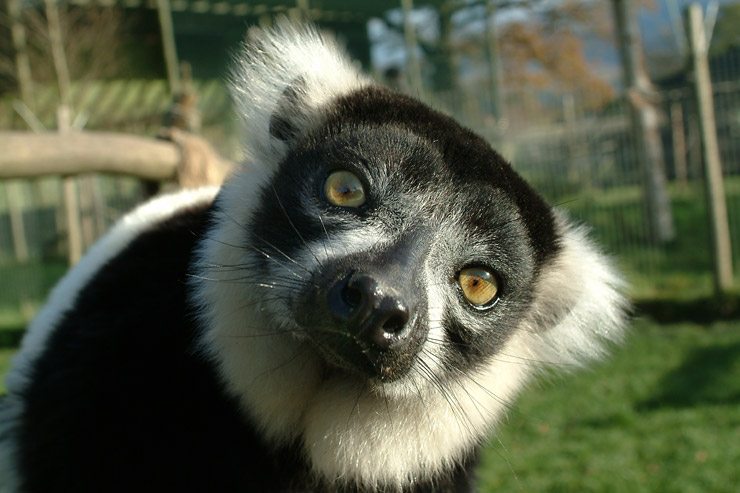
(582, 158)
(586, 161)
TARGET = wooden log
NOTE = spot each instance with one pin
(26, 155)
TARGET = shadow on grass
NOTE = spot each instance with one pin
(10, 337)
(700, 310)
(606, 421)
(705, 377)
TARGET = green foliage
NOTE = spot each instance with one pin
(662, 415)
(6, 355)
(726, 34)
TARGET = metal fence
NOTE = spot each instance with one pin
(581, 158)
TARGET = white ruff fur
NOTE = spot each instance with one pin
(349, 434)
(579, 307)
(63, 297)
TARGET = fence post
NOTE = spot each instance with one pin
(22, 63)
(678, 141)
(25, 87)
(722, 252)
(168, 45)
(64, 117)
(413, 66)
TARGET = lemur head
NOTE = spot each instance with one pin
(379, 283)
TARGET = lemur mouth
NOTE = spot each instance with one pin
(345, 353)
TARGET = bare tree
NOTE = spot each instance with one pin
(93, 39)
(641, 96)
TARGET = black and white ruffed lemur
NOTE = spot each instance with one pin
(353, 311)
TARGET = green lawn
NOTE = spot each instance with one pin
(663, 414)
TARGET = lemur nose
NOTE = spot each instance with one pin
(378, 314)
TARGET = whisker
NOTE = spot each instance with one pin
(253, 234)
(356, 404)
(455, 406)
(263, 253)
(326, 233)
(301, 349)
(290, 221)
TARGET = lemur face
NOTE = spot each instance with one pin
(394, 259)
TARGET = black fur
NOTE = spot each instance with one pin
(282, 121)
(120, 401)
(467, 155)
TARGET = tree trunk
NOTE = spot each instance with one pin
(641, 97)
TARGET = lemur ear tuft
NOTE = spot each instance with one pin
(283, 122)
(283, 82)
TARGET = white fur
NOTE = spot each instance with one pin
(253, 368)
(579, 304)
(64, 296)
(394, 441)
(273, 61)
(351, 433)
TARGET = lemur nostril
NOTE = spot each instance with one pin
(395, 323)
(352, 296)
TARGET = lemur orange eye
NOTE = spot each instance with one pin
(344, 189)
(479, 286)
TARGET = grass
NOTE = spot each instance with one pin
(6, 355)
(23, 287)
(662, 415)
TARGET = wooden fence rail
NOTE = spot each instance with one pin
(28, 155)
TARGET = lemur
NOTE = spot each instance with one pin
(354, 310)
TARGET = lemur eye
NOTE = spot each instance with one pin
(344, 189)
(479, 286)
